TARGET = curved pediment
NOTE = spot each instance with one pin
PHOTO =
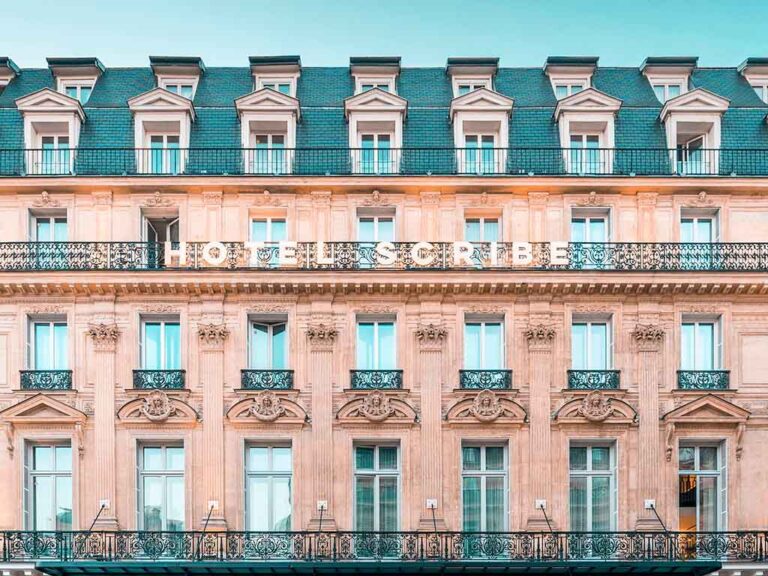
(49, 101)
(265, 407)
(161, 100)
(158, 407)
(267, 100)
(376, 100)
(378, 408)
(42, 409)
(595, 407)
(708, 409)
(589, 100)
(487, 407)
(695, 101)
(481, 100)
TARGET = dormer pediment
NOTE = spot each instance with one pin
(267, 100)
(42, 409)
(161, 100)
(589, 100)
(695, 101)
(481, 100)
(375, 100)
(49, 101)
(708, 409)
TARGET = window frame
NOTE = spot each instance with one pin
(376, 321)
(590, 321)
(474, 83)
(165, 151)
(377, 81)
(270, 475)
(482, 220)
(268, 220)
(721, 474)
(483, 322)
(569, 84)
(696, 216)
(65, 82)
(589, 214)
(717, 341)
(261, 81)
(483, 473)
(165, 473)
(53, 218)
(377, 473)
(164, 81)
(612, 473)
(163, 321)
(665, 85)
(377, 217)
(52, 322)
(270, 324)
(30, 501)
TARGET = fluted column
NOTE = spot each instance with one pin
(211, 345)
(540, 343)
(104, 337)
(431, 339)
(648, 339)
(321, 338)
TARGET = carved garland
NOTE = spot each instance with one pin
(648, 336)
(431, 335)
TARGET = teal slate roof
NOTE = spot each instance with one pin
(322, 91)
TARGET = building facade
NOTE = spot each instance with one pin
(282, 318)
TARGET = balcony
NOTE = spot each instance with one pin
(593, 379)
(469, 162)
(45, 380)
(266, 379)
(362, 256)
(159, 379)
(485, 379)
(703, 379)
(376, 379)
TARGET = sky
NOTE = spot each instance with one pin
(422, 32)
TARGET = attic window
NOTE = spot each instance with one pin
(465, 85)
(80, 90)
(365, 83)
(563, 89)
(760, 89)
(667, 90)
(185, 87)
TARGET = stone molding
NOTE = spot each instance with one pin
(104, 335)
(540, 336)
(321, 336)
(212, 335)
(431, 336)
(648, 337)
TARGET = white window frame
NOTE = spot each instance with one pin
(163, 321)
(721, 474)
(164, 81)
(270, 475)
(63, 83)
(665, 85)
(52, 217)
(270, 162)
(569, 84)
(377, 135)
(30, 504)
(589, 214)
(149, 151)
(377, 474)
(261, 81)
(377, 217)
(376, 81)
(696, 215)
(483, 323)
(474, 83)
(479, 162)
(717, 340)
(165, 474)
(589, 473)
(146, 225)
(483, 474)
(270, 324)
(482, 220)
(589, 321)
(50, 321)
(268, 220)
(376, 339)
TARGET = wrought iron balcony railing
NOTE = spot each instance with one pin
(485, 379)
(266, 379)
(363, 256)
(45, 379)
(593, 379)
(159, 379)
(376, 379)
(703, 379)
(667, 552)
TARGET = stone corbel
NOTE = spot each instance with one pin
(669, 442)
(740, 429)
(431, 336)
(10, 437)
(212, 335)
(321, 336)
(540, 336)
(648, 337)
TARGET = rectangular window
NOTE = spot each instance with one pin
(484, 488)
(480, 154)
(702, 494)
(160, 344)
(80, 92)
(567, 89)
(691, 158)
(700, 345)
(590, 226)
(482, 230)
(268, 229)
(186, 90)
(49, 228)
(48, 489)
(160, 229)
(165, 156)
(161, 488)
(591, 345)
(375, 154)
(376, 346)
(467, 87)
(377, 488)
(484, 345)
(278, 86)
(585, 154)
(375, 228)
(365, 87)
(268, 346)
(48, 345)
(762, 91)
(698, 229)
(268, 476)
(667, 91)
(268, 155)
(55, 155)
(593, 492)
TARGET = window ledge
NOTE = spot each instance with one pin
(171, 392)
(472, 392)
(578, 393)
(36, 391)
(280, 392)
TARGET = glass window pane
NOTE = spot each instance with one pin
(472, 346)
(43, 347)
(63, 503)
(60, 348)
(281, 459)
(260, 346)
(174, 458)
(85, 94)
(658, 89)
(493, 352)
(42, 494)
(152, 494)
(42, 458)
(365, 346)
(152, 346)
(259, 230)
(153, 458)
(687, 503)
(673, 90)
(578, 503)
(63, 458)
(708, 458)
(366, 230)
(705, 347)
(60, 229)
(470, 457)
(688, 346)
(578, 230)
(494, 458)
(281, 504)
(386, 230)
(578, 458)
(561, 91)
(388, 458)
(278, 230)
(491, 232)
(279, 347)
(258, 459)
(43, 229)
(472, 231)
(364, 517)
(707, 492)
(579, 346)
(601, 504)
(388, 504)
(258, 503)
(494, 504)
(686, 456)
(172, 346)
(598, 230)
(387, 350)
(470, 495)
(601, 458)
(598, 352)
(364, 458)
(175, 502)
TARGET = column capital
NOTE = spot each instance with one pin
(321, 336)
(104, 336)
(648, 337)
(431, 336)
(212, 335)
(540, 336)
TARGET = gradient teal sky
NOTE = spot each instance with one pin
(423, 32)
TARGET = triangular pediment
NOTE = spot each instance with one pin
(589, 100)
(47, 100)
(698, 100)
(42, 409)
(482, 100)
(161, 100)
(375, 100)
(708, 409)
(267, 100)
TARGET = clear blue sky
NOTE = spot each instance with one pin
(423, 32)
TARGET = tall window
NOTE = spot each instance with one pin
(268, 229)
(591, 345)
(48, 489)
(703, 488)
(590, 226)
(482, 230)
(375, 156)
(698, 228)
(377, 487)
(268, 345)
(667, 91)
(690, 155)
(49, 228)
(80, 92)
(160, 344)
(268, 488)
(483, 345)
(480, 154)
(592, 488)
(585, 154)
(376, 346)
(697, 231)
(483, 488)
(55, 156)
(268, 155)
(161, 488)
(48, 349)
(165, 156)
(700, 345)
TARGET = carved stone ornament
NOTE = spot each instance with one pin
(212, 197)
(376, 407)
(157, 200)
(266, 407)
(702, 199)
(46, 309)
(322, 335)
(102, 198)
(595, 407)
(375, 199)
(591, 199)
(486, 407)
(157, 407)
(540, 336)
(431, 335)
(648, 336)
(104, 335)
(266, 199)
(45, 201)
(212, 335)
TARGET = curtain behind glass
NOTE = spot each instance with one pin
(471, 503)
(494, 504)
(578, 504)
(364, 504)
(365, 346)
(388, 504)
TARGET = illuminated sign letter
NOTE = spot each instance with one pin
(522, 254)
(180, 254)
(386, 254)
(417, 256)
(253, 248)
(558, 253)
(287, 253)
(321, 257)
(209, 253)
(462, 253)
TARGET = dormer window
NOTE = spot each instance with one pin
(470, 74)
(178, 74)
(365, 84)
(375, 72)
(466, 86)
(570, 75)
(667, 90)
(8, 71)
(755, 70)
(76, 77)
(668, 75)
(80, 90)
(568, 88)
(185, 89)
(278, 73)
(282, 86)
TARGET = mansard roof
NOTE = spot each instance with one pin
(48, 100)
